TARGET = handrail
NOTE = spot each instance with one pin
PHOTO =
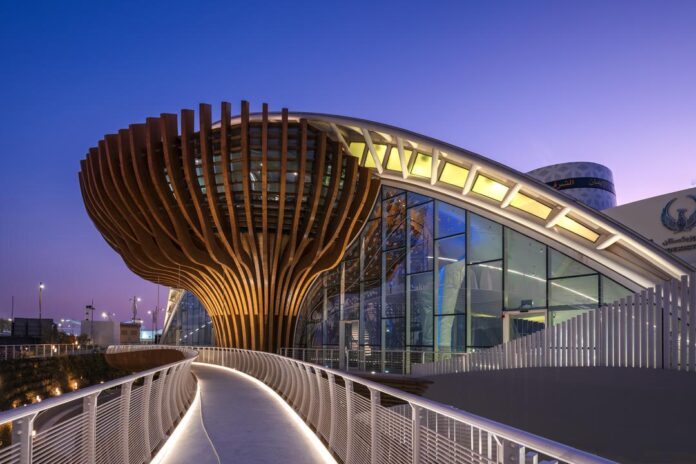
(298, 381)
(142, 418)
(43, 350)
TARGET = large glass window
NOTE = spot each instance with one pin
(561, 265)
(485, 239)
(420, 238)
(426, 275)
(485, 303)
(611, 291)
(450, 220)
(450, 333)
(574, 292)
(451, 271)
(525, 272)
(421, 309)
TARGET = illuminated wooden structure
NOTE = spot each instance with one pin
(244, 213)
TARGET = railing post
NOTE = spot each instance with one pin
(22, 432)
(125, 418)
(147, 390)
(374, 436)
(415, 433)
(89, 405)
(333, 415)
(349, 420)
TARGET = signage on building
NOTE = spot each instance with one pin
(668, 220)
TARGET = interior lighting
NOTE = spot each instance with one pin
(530, 205)
(454, 175)
(422, 166)
(575, 227)
(489, 188)
(301, 425)
(357, 149)
(394, 161)
(380, 150)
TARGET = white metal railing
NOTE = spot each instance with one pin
(46, 350)
(348, 414)
(655, 328)
(368, 360)
(120, 421)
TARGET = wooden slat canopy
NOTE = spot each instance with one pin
(243, 215)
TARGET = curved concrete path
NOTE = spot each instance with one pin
(237, 420)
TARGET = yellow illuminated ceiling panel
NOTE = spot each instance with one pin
(489, 188)
(530, 205)
(423, 165)
(454, 175)
(577, 228)
(357, 149)
(394, 162)
(380, 150)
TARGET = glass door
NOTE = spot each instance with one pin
(521, 323)
(349, 341)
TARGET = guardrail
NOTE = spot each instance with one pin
(368, 360)
(348, 414)
(47, 350)
(123, 420)
(655, 329)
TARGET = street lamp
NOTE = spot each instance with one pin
(41, 287)
(135, 300)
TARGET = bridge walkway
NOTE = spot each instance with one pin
(238, 420)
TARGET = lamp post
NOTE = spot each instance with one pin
(41, 287)
(135, 300)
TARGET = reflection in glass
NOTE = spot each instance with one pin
(450, 220)
(372, 245)
(394, 284)
(611, 291)
(485, 239)
(421, 309)
(371, 309)
(351, 296)
(561, 265)
(420, 237)
(525, 272)
(450, 333)
(485, 302)
(393, 331)
(394, 216)
(574, 292)
(451, 270)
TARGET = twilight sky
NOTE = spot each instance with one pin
(525, 83)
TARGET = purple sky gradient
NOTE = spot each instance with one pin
(524, 83)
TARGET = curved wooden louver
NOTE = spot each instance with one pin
(245, 216)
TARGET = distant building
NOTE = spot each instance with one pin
(584, 181)
(130, 332)
(33, 329)
(70, 327)
(102, 333)
(669, 220)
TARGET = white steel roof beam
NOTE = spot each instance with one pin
(402, 157)
(608, 241)
(510, 195)
(371, 146)
(339, 136)
(470, 179)
(553, 220)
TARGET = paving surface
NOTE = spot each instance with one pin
(239, 422)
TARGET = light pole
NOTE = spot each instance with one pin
(41, 287)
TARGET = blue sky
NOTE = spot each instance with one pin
(524, 83)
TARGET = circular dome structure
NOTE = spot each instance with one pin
(587, 182)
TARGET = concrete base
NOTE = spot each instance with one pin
(628, 415)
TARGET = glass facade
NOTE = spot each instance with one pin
(188, 322)
(427, 275)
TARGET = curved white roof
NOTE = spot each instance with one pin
(403, 158)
